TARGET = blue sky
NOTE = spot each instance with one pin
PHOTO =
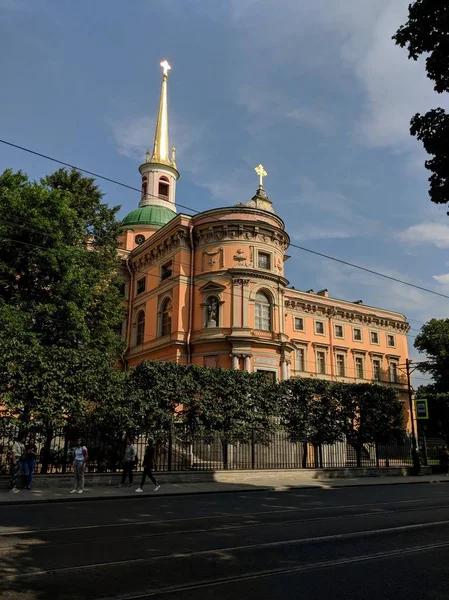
(316, 91)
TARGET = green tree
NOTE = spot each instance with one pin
(368, 413)
(426, 33)
(438, 404)
(433, 340)
(236, 405)
(60, 302)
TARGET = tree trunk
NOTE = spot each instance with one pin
(305, 451)
(225, 453)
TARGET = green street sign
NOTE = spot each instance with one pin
(421, 408)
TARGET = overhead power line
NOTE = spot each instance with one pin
(302, 248)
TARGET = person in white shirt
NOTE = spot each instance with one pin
(79, 466)
(17, 456)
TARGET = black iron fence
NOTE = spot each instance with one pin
(180, 452)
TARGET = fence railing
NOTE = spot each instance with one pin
(180, 452)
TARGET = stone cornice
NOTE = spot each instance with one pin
(355, 317)
(248, 273)
(239, 210)
(230, 231)
(156, 252)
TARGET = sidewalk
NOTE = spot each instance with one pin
(283, 483)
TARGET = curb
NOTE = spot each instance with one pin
(278, 489)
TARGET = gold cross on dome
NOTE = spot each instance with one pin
(262, 173)
(166, 67)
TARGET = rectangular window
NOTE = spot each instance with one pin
(357, 333)
(359, 370)
(263, 317)
(263, 260)
(299, 324)
(341, 369)
(300, 359)
(319, 327)
(321, 362)
(393, 368)
(166, 270)
(391, 341)
(374, 337)
(376, 370)
(141, 285)
(338, 331)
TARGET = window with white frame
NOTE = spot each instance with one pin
(262, 312)
(298, 323)
(357, 334)
(393, 371)
(263, 260)
(140, 328)
(359, 367)
(338, 331)
(341, 365)
(374, 337)
(377, 373)
(319, 327)
(321, 362)
(140, 286)
(391, 342)
(300, 359)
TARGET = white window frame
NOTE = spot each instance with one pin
(304, 360)
(394, 340)
(343, 356)
(361, 358)
(393, 363)
(270, 260)
(324, 327)
(342, 336)
(303, 328)
(354, 329)
(377, 360)
(324, 352)
(371, 337)
(261, 317)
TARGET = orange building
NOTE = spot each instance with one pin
(210, 289)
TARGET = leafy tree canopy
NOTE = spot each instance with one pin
(426, 32)
(434, 341)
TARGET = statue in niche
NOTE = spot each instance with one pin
(212, 312)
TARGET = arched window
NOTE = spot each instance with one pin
(163, 187)
(166, 309)
(144, 187)
(140, 334)
(212, 312)
(262, 312)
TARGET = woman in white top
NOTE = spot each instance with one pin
(79, 465)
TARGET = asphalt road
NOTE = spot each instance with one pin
(370, 543)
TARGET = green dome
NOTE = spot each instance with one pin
(149, 215)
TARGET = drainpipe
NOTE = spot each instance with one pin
(192, 259)
(331, 346)
(130, 307)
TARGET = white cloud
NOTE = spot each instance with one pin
(443, 279)
(426, 233)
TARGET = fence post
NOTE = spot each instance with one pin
(305, 452)
(66, 450)
(253, 450)
(376, 449)
(170, 448)
(424, 448)
(225, 453)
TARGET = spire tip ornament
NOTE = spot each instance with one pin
(165, 67)
(262, 173)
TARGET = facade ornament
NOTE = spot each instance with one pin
(262, 173)
(212, 309)
(239, 255)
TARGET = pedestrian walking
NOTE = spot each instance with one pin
(148, 463)
(29, 462)
(128, 463)
(79, 466)
(17, 456)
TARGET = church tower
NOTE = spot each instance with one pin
(159, 175)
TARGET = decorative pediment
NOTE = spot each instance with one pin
(212, 287)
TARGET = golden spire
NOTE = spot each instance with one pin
(161, 148)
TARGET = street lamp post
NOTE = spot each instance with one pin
(415, 452)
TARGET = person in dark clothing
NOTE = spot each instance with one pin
(148, 463)
(29, 462)
(128, 463)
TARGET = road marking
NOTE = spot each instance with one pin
(249, 525)
(208, 517)
(324, 538)
(273, 572)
